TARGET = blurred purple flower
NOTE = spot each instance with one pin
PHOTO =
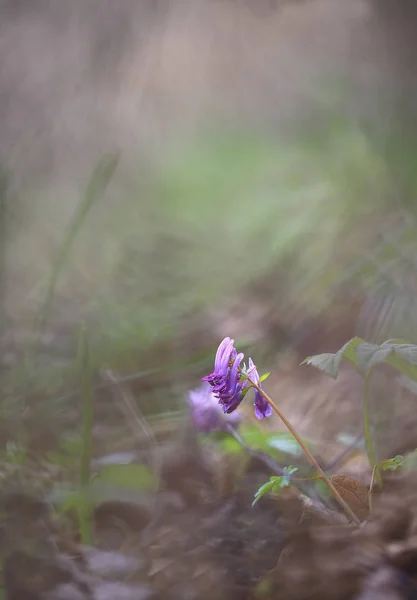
(262, 408)
(206, 413)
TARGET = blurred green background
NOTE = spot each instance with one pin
(266, 184)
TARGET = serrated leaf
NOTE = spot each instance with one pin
(403, 358)
(264, 377)
(397, 353)
(348, 351)
(328, 363)
(395, 342)
(370, 355)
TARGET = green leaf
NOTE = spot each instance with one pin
(231, 446)
(275, 484)
(408, 462)
(363, 355)
(264, 377)
(411, 462)
(392, 464)
(329, 363)
(245, 391)
(275, 444)
(69, 499)
(285, 442)
(265, 488)
(403, 358)
(349, 351)
(369, 356)
(132, 477)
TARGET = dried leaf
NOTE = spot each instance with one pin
(355, 494)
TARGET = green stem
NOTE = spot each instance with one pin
(366, 426)
(307, 453)
(87, 440)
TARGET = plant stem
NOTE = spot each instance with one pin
(366, 427)
(371, 487)
(87, 441)
(307, 452)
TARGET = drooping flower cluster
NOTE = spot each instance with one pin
(206, 413)
(226, 380)
(229, 380)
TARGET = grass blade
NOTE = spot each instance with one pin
(95, 189)
(87, 439)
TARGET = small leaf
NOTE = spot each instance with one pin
(264, 377)
(392, 464)
(266, 487)
(290, 470)
(275, 484)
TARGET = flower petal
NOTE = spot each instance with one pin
(262, 408)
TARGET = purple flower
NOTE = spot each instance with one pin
(221, 363)
(226, 379)
(206, 413)
(262, 408)
(229, 384)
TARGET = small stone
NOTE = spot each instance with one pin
(111, 565)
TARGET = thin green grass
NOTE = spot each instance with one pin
(87, 435)
(99, 181)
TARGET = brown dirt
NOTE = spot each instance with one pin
(213, 544)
